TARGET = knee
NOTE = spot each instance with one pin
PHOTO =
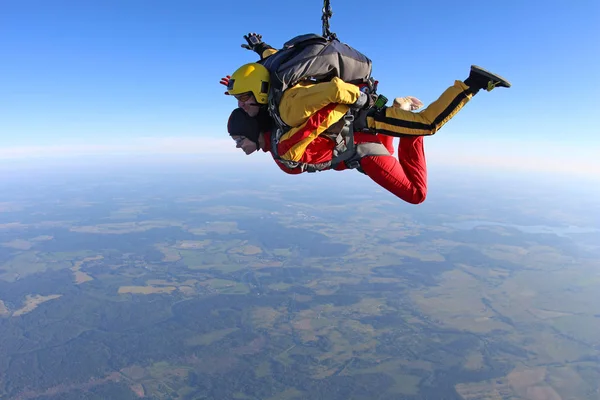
(419, 195)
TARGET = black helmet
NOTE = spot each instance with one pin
(241, 124)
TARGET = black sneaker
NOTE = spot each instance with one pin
(479, 78)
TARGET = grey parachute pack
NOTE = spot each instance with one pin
(319, 59)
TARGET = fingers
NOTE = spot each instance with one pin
(247, 37)
(225, 81)
(414, 100)
(415, 103)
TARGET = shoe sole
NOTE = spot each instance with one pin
(497, 79)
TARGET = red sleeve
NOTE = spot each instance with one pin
(308, 128)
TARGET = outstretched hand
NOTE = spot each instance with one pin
(408, 103)
(253, 39)
(225, 81)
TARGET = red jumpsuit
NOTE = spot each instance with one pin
(405, 176)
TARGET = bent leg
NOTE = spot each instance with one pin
(406, 179)
(395, 121)
(388, 142)
(299, 102)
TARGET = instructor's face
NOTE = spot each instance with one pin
(247, 146)
(248, 103)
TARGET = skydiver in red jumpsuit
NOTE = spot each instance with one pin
(405, 176)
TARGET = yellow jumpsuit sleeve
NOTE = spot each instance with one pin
(299, 102)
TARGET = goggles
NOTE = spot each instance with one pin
(238, 141)
(244, 97)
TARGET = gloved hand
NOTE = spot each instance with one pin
(255, 43)
(253, 39)
(225, 81)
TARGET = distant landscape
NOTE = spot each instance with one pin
(191, 287)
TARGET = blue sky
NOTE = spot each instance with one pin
(127, 74)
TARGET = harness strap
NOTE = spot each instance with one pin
(351, 158)
(371, 149)
(344, 142)
(363, 150)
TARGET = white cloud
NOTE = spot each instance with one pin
(509, 155)
(136, 146)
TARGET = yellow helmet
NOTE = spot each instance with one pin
(252, 77)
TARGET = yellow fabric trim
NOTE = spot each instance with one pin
(428, 116)
(267, 53)
(296, 151)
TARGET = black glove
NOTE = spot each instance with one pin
(253, 39)
(255, 43)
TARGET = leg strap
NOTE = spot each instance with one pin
(363, 150)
